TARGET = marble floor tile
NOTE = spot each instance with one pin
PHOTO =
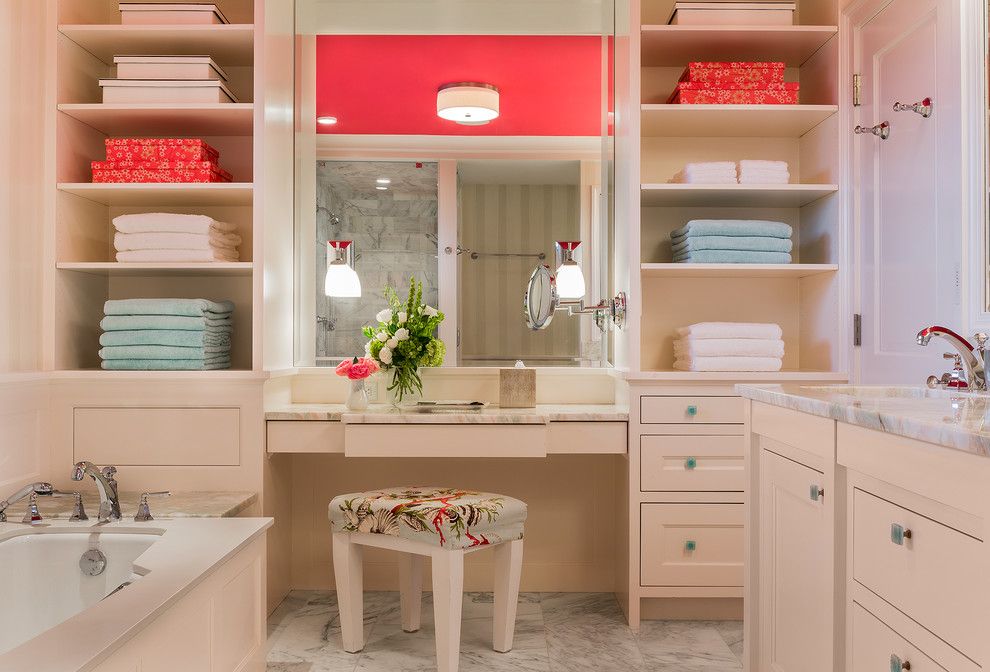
(685, 645)
(732, 633)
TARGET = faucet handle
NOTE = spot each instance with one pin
(981, 339)
(143, 514)
(78, 510)
(32, 516)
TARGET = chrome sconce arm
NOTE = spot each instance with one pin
(606, 312)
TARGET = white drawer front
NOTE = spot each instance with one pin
(692, 464)
(691, 410)
(692, 544)
(876, 647)
(930, 576)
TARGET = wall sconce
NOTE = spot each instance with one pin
(570, 278)
(468, 103)
(342, 281)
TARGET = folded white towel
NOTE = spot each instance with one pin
(764, 178)
(710, 166)
(174, 241)
(704, 178)
(731, 330)
(729, 364)
(751, 164)
(688, 348)
(167, 222)
(178, 256)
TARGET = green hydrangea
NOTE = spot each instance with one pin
(435, 351)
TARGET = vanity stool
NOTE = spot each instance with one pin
(444, 524)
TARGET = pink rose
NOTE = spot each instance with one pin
(359, 371)
(372, 364)
(344, 367)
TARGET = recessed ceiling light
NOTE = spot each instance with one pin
(383, 180)
(326, 120)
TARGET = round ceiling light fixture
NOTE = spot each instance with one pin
(326, 120)
(468, 103)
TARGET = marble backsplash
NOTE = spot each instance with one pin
(394, 233)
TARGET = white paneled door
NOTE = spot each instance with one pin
(909, 192)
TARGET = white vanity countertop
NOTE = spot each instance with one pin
(951, 419)
(179, 505)
(490, 415)
(187, 550)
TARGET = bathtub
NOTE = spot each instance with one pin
(140, 589)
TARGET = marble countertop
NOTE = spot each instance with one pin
(179, 505)
(489, 415)
(951, 419)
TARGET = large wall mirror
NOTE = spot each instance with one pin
(463, 143)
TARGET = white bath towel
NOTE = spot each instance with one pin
(174, 241)
(764, 177)
(775, 166)
(729, 364)
(178, 256)
(731, 330)
(714, 177)
(687, 348)
(167, 222)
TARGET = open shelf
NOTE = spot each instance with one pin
(788, 121)
(734, 195)
(102, 374)
(678, 45)
(171, 269)
(163, 194)
(736, 270)
(164, 119)
(230, 44)
(740, 376)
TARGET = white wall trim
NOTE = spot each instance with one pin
(975, 239)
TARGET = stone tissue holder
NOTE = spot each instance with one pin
(517, 388)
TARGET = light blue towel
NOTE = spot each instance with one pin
(165, 364)
(170, 322)
(185, 339)
(732, 227)
(162, 352)
(751, 243)
(732, 257)
(187, 307)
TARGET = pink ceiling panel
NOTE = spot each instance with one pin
(387, 84)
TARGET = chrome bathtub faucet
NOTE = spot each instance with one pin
(31, 491)
(970, 371)
(106, 484)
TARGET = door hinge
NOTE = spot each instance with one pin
(857, 90)
(857, 329)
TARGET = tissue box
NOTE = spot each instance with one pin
(162, 171)
(517, 388)
(159, 149)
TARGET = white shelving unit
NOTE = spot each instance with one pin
(742, 271)
(733, 121)
(131, 119)
(734, 195)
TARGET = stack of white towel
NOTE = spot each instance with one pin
(729, 172)
(764, 172)
(168, 237)
(729, 346)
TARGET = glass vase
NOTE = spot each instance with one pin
(409, 399)
(357, 400)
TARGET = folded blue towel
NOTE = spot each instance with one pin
(732, 227)
(164, 364)
(162, 352)
(752, 243)
(185, 339)
(187, 307)
(732, 257)
(169, 322)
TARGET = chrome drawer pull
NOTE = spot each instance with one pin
(816, 492)
(896, 664)
(881, 130)
(898, 533)
(923, 107)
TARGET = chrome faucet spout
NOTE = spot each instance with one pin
(972, 359)
(106, 484)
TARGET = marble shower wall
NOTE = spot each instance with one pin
(394, 233)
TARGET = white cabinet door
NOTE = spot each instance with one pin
(910, 187)
(795, 571)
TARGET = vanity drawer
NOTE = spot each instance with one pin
(305, 436)
(930, 575)
(691, 410)
(438, 440)
(691, 544)
(875, 646)
(692, 463)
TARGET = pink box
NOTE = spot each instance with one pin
(158, 171)
(159, 149)
(165, 91)
(168, 67)
(786, 95)
(734, 72)
(185, 13)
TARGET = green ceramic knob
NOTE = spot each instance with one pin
(690, 463)
(690, 545)
(898, 665)
(692, 410)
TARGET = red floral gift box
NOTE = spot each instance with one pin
(701, 93)
(158, 171)
(734, 72)
(159, 149)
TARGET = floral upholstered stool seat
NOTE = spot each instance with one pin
(443, 524)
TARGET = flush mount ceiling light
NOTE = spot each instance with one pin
(326, 120)
(468, 103)
(341, 281)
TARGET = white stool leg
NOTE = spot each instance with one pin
(411, 590)
(508, 568)
(349, 577)
(448, 593)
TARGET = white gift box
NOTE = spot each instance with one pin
(150, 13)
(168, 67)
(732, 13)
(165, 91)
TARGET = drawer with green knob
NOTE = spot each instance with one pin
(691, 545)
(691, 410)
(876, 646)
(693, 463)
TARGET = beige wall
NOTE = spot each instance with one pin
(512, 218)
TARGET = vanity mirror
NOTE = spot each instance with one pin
(456, 142)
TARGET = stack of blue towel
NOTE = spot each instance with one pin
(732, 241)
(166, 334)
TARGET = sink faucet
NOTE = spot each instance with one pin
(34, 489)
(106, 484)
(973, 360)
